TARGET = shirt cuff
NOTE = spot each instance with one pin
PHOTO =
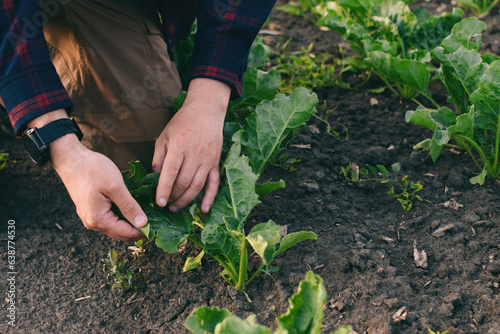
(31, 92)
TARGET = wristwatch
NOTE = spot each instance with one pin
(36, 141)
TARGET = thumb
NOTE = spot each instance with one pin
(128, 207)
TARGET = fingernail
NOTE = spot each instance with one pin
(163, 201)
(140, 220)
(207, 208)
(174, 209)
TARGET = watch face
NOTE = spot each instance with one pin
(36, 150)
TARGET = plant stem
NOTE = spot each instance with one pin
(219, 259)
(243, 266)
(485, 160)
(255, 274)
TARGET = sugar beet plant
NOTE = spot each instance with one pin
(392, 41)
(254, 136)
(473, 83)
(304, 315)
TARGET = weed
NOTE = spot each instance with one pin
(123, 276)
(404, 190)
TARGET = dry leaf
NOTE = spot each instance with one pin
(419, 257)
(387, 239)
(400, 315)
(442, 230)
(314, 129)
(300, 145)
(452, 204)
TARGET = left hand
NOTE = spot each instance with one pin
(188, 151)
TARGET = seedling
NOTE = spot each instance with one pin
(122, 276)
(404, 190)
(4, 158)
(287, 163)
(438, 332)
(304, 315)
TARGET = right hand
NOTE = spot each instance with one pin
(94, 183)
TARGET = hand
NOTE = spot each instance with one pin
(187, 153)
(94, 183)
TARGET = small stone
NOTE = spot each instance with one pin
(435, 223)
(471, 217)
(442, 230)
(309, 186)
(391, 302)
(454, 298)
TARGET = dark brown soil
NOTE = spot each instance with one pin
(364, 252)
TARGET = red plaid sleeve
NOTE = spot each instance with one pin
(226, 31)
(29, 83)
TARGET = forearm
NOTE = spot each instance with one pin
(213, 95)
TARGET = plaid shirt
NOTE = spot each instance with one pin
(30, 85)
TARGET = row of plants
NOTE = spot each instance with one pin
(409, 49)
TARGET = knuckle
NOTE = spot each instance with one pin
(198, 186)
(182, 183)
(172, 169)
(127, 208)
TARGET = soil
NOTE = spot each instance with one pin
(364, 253)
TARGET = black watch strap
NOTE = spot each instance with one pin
(59, 128)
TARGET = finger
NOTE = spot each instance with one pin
(212, 188)
(128, 206)
(111, 225)
(158, 158)
(122, 230)
(186, 179)
(168, 175)
(195, 187)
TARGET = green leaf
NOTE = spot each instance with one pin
(259, 53)
(346, 329)
(204, 319)
(235, 325)
(193, 262)
(459, 73)
(408, 72)
(134, 176)
(305, 312)
(237, 197)
(263, 238)
(479, 179)
(395, 167)
(486, 100)
(273, 125)
(218, 241)
(430, 32)
(466, 33)
(179, 100)
(291, 239)
(488, 58)
(264, 189)
(420, 116)
(257, 86)
(170, 229)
